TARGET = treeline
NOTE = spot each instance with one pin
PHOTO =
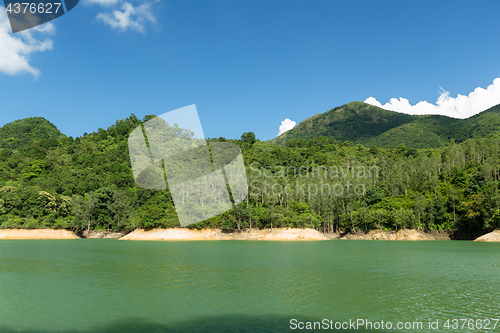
(87, 183)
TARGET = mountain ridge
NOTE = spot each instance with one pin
(357, 122)
(369, 125)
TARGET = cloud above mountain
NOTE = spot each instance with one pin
(286, 125)
(462, 106)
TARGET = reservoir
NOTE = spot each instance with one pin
(106, 285)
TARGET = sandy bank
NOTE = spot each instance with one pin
(493, 236)
(407, 234)
(207, 234)
(37, 234)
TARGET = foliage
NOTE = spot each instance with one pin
(50, 180)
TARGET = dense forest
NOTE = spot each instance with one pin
(48, 180)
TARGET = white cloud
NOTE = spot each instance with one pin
(286, 125)
(102, 2)
(15, 50)
(458, 107)
(128, 17)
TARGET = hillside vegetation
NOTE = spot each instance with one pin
(369, 125)
(21, 133)
(50, 180)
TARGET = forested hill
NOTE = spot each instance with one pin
(369, 125)
(48, 180)
(22, 132)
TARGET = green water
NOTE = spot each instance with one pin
(101, 285)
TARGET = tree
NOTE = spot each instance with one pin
(453, 199)
(35, 169)
(403, 218)
(373, 195)
(120, 208)
(84, 210)
(420, 206)
(248, 137)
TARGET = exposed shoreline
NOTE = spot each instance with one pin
(400, 235)
(493, 236)
(101, 234)
(37, 234)
(217, 234)
(277, 234)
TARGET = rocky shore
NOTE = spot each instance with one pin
(102, 234)
(208, 234)
(277, 234)
(37, 234)
(405, 234)
(493, 236)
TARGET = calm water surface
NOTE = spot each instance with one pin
(106, 285)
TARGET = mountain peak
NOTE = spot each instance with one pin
(369, 125)
(21, 132)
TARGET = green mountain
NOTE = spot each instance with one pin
(23, 132)
(369, 125)
(49, 180)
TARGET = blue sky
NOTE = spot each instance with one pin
(248, 65)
